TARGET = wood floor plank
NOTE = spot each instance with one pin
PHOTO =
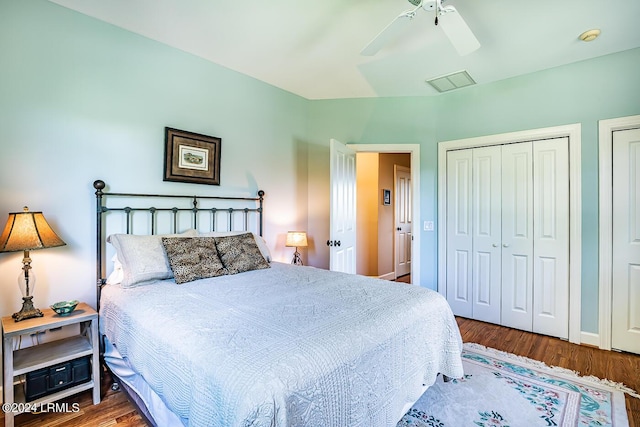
(116, 410)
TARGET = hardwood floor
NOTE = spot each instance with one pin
(115, 410)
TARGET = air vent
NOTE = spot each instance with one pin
(451, 81)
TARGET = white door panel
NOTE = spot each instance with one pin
(402, 216)
(517, 233)
(487, 234)
(342, 241)
(625, 331)
(459, 235)
(551, 237)
(507, 234)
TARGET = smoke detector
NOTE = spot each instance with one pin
(589, 35)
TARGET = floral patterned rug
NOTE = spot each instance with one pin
(501, 389)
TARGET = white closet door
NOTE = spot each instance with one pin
(517, 236)
(487, 234)
(625, 333)
(551, 237)
(459, 234)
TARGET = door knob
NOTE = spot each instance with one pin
(399, 229)
(495, 245)
(506, 245)
(337, 242)
(329, 243)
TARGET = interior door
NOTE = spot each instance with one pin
(342, 241)
(402, 217)
(625, 333)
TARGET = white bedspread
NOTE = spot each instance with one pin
(285, 346)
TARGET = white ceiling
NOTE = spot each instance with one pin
(312, 48)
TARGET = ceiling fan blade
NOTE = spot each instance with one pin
(458, 32)
(390, 32)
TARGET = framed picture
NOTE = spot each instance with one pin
(191, 157)
(386, 197)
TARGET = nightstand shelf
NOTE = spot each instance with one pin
(29, 359)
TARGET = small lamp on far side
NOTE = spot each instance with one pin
(26, 231)
(296, 239)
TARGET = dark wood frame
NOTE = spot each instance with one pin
(180, 141)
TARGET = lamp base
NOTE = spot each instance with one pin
(297, 260)
(28, 310)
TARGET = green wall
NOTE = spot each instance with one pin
(82, 100)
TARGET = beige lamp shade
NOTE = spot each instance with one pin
(296, 239)
(26, 231)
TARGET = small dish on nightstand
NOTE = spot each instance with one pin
(64, 308)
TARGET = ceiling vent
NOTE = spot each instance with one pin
(451, 81)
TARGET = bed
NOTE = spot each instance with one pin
(259, 343)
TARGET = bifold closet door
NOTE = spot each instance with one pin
(474, 232)
(459, 232)
(551, 237)
(517, 236)
(508, 235)
(487, 234)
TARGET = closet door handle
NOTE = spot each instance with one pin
(495, 245)
(506, 245)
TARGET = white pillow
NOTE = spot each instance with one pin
(116, 276)
(143, 257)
(262, 244)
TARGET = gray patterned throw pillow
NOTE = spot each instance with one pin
(240, 253)
(193, 258)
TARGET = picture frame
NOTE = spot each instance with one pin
(191, 157)
(386, 197)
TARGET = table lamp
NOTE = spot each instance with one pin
(27, 231)
(296, 239)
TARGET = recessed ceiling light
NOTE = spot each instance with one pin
(589, 35)
(451, 81)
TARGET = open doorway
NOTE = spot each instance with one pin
(384, 213)
(335, 179)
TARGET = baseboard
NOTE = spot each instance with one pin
(590, 339)
(388, 276)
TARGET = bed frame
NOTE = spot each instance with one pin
(166, 213)
(203, 214)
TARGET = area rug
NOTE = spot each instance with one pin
(502, 389)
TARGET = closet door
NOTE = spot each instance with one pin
(487, 234)
(517, 236)
(459, 232)
(625, 332)
(551, 237)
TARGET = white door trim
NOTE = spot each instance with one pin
(605, 251)
(414, 150)
(573, 131)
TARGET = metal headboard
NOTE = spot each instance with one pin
(192, 207)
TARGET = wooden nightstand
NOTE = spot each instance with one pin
(23, 361)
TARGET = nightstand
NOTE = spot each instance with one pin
(49, 354)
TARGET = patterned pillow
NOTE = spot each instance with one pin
(240, 253)
(193, 258)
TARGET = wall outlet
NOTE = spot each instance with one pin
(428, 226)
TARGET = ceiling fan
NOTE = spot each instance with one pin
(447, 18)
